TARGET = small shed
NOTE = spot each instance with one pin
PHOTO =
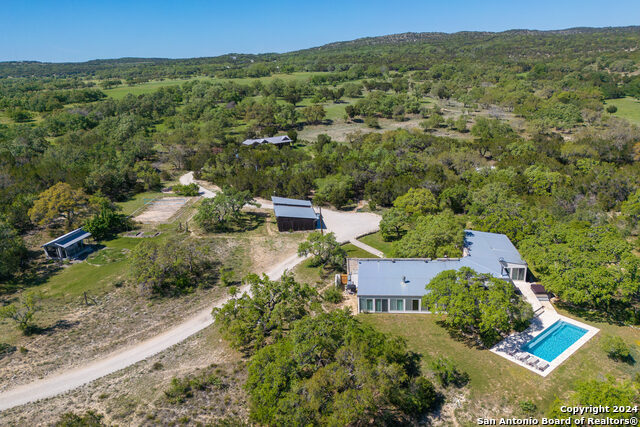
(294, 214)
(68, 246)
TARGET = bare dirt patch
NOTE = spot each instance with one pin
(161, 210)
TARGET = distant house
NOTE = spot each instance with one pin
(69, 246)
(295, 215)
(398, 284)
(275, 140)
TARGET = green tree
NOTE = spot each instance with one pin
(477, 305)
(148, 174)
(22, 312)
(314, 114)
(12, 250)
(631, 209)
(333, 370)
(325, 250)
(222, 210)
(593, 392)
(187, 190)
(59, 201)
(170, 267)
(107, 223)
(393, 224)
(336, 190)
(266, 311)
(417, 201)
(615, 347)
(433, 236)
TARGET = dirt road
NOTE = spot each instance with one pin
(346, 225)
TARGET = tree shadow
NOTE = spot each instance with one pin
(60, 325)
(457, 335)
(616, 314)
(247, 221)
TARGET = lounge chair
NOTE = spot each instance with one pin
(523, 357)
(533, 361)
(542, 365)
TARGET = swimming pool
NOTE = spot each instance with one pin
(554, 340)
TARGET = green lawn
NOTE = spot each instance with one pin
(628, 108)
(355, 252)
(497, 384)
(375, 241)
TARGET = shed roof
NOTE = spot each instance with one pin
(384, 277)
(271, 140)
(295, 211)
(290, 202)
(69, 239)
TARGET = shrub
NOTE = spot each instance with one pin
(528, 406)
(182, 389)
(226, 276)
(447, 373)
(332, 295)
(88, 419)
(615, 347)
(179, 390)
(372, 122)
(190, 190)
(611, 109)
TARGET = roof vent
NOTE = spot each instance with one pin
(404, 280)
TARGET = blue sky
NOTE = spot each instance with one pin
(63, 30)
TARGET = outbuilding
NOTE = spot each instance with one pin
(68, 246)
(273, 140)
(295, 215)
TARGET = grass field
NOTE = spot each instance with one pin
(375, 241)
(628, 108)
(497, 385)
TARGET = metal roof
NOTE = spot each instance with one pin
(69, 239)
(384, 277)
(271, 140)
(290, 202)
(295, 211)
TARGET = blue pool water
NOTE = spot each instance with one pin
(554, 340)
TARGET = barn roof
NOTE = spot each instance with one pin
(69, 239)
(295, 211)
(289, 202)
(487, 252)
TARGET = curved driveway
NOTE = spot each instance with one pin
(346, 225)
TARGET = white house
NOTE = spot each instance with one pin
(398, 284)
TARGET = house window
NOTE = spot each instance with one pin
(415, 304)
(369, 305)
(399, 305)
(378, 305)
(517, 273)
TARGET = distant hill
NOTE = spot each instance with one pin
(405, 49)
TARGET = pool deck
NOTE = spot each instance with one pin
(547, 316)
